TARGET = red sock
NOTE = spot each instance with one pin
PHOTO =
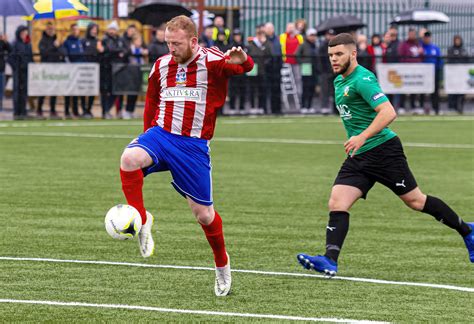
(215, 237)
(132, 184)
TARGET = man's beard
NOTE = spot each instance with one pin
(344, 67)
(185, 57)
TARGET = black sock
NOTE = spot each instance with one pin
(443, 213)
(336, 231)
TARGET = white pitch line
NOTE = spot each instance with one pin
(232, 139)
(258, 272)
(184, 311)
(257, 120)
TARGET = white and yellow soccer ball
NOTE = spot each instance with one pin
(123, 222)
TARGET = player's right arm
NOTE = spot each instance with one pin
(152, 100)
(385, 115)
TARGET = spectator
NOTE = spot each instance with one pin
(5, 49)
(19, 58)
(50, 52)
(432, 54)
(158, 46)
(307, 56)
(75, 54)
(206, 37)
(391, 53)
(221, 41)
(364, 58)
(290, 40)
(128, 37)
(114, 52)
(137, 53)
(238, 83)
(300, 25)
(410, 51)
(392, 56)
(260, 50)
(376, 49)
(219, 25)
(457, 54)
(326, 75)
(93, 50)
(274, 75)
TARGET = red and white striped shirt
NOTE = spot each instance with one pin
(183, 99)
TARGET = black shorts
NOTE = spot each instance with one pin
(386, 164)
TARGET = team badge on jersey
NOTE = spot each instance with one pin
(181, 77)
(346, 91)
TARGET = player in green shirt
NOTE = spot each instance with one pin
(375, 154)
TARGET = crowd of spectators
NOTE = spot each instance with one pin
(258, 92)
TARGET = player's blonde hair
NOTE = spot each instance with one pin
(182, 23)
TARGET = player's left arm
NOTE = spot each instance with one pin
(370, 90)
(237, 62)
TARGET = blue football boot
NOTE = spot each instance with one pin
(469, 241)
(319, 263)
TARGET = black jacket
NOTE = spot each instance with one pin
(5, 49)
(308, 53)
(89, 44)
(391, 54)
(115, 49)
(457, 54)
(48, 51)
(262, 56)
(157, 49)
(22, 53)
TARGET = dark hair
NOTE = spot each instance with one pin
(342, 39)
(73, 25)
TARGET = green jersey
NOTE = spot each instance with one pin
(357, 95)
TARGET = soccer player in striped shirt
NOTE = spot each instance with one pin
(185, 89)
(374, 154)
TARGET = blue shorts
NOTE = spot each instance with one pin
(187, 158)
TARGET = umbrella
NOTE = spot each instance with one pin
(420, 17)
(57, 9)
(157, 12)
(339, 24)
(15, 8)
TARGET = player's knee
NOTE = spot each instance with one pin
(129, 161)
(336, 204)
(204, 214)
(416, 203)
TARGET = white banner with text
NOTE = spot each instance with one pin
(404, 78)
(63, 79)
(459, 78)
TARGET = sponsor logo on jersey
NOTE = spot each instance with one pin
(344, 111)
(377, 96)
(181, 77)
(181, 94)
(346, 91)
(367, 78)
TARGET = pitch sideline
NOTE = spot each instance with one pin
(258, 272)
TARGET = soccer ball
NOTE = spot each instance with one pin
(123, 222)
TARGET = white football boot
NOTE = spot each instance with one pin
(145, 239)
(223, 280)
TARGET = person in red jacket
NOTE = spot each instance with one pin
(376, 50)
(186, 88)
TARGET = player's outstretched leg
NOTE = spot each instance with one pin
(133, 159)
(437, 208)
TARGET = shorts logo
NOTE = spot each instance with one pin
(400, 184)
(181, 77)
(377, 96)
(346, 91)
